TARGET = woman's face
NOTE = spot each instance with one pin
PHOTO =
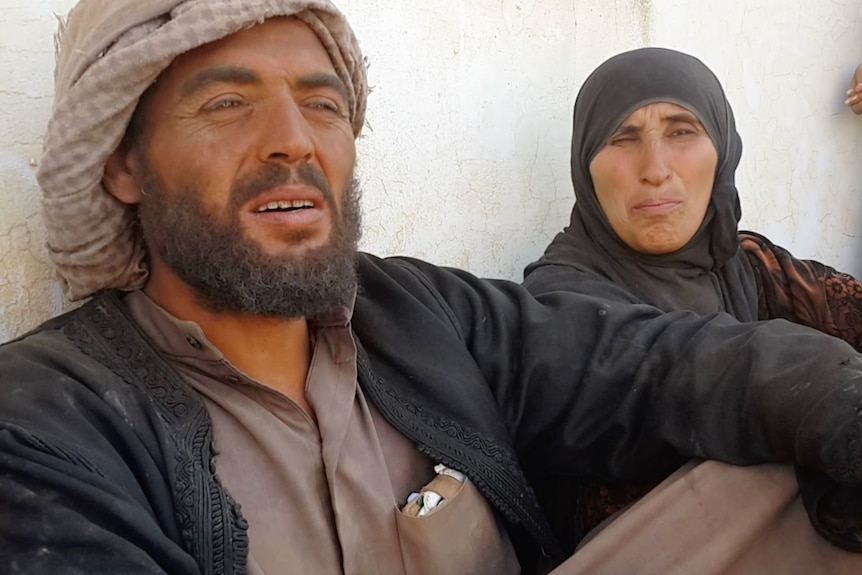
(653, 179)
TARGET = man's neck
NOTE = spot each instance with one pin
(275, 352)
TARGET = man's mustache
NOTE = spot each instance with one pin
(273, 176)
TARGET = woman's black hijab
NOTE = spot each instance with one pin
(710, 273)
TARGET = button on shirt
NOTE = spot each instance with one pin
(319, 497)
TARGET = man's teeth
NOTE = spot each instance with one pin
(286, 205)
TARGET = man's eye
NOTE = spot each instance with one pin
(326, 105)
(224, 104)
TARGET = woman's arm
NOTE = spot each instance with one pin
(804, 291)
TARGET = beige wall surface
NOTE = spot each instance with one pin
(464, 159)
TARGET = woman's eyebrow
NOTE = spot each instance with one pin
(628, 129)
(625, 130)
(683, 117)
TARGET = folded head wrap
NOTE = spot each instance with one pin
(709, 273)
(108, 53)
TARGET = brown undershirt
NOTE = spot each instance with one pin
(324, 497)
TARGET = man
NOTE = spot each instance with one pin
(259, 398)
(854, 92)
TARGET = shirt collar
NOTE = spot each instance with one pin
(181, 338)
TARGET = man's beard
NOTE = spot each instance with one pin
(228, 272)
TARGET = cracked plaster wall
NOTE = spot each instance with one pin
(465, 156)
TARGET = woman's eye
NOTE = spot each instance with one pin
(685, 129)
(621, 140)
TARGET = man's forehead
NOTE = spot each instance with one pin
(285, 39)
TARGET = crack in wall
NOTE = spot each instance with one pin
(642, 11)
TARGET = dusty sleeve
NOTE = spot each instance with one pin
(84, 488)
(61, 515)
(593, 385)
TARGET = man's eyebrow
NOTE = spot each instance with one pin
(239, 75)
(222, 75)
(323, 80)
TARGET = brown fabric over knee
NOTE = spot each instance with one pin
(711, 518)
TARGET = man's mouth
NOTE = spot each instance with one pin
(285, 206)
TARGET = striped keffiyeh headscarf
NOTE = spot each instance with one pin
(108, 53)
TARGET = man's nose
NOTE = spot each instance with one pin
(655, 169)
(285, 133)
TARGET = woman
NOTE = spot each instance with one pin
(654, 154)
(669, 236)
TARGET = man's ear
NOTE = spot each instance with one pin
(122, 175)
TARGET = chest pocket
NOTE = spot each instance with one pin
(463, 535)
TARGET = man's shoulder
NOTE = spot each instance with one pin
(38, 344)
(50, 362)
(52, 336)
(392, 265)
(50, 326)
(407, 273)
